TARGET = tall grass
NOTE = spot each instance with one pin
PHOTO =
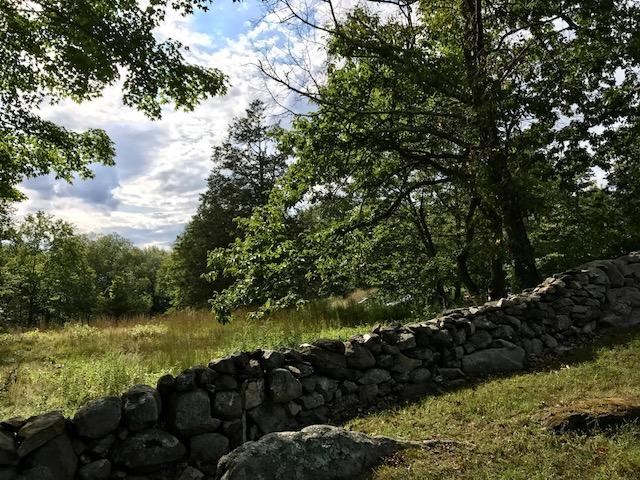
(62, 368)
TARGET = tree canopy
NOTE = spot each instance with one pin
(465, 119)
(52, 50)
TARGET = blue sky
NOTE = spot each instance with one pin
(161, 166)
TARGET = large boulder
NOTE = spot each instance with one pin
(319, 452)
(98, 417)
(39, 430)
(492, 361)
(141, 406)
(190, 413)
(57, 455)
(148, 451)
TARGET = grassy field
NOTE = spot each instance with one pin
(502, 418)
(62, 368)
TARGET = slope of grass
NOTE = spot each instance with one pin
(502, 418)
(62, 368)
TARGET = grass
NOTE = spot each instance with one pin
(502, 418)
(62, 368)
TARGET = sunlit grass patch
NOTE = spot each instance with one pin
(61, 368)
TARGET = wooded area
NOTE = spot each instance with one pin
(452, 152)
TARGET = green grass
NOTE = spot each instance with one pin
(502, 418)
(62, 368)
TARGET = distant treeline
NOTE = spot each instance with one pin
(49, 274)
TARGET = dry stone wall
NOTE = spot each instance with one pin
(180, 428)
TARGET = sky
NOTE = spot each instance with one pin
(161, 166)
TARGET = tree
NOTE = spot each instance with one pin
(58, 49)
(45, 276)
(246, 166)
(485, 103)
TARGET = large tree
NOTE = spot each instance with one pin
(495, 106)
(56, 49)
(245, 168)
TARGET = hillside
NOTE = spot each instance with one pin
(504, 419)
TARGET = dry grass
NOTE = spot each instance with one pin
(62, 368)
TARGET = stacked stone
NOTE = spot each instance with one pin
(181, 428)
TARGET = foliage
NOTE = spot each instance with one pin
(447, 131)
(246, 166)
(49, 275)
(52, 50)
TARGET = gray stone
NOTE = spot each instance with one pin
(141, 407)
(36, 473)
(372, 342)
(406, 341)
(186, 381)
(148, 451)
(235, 431)
(208, 448)
(326, 361)
(450, 373)
(311, 401)
(254, 393)
(272, 418)
(424, 354)
(98, 470)
(101, 447)
(57, 455)
(39, 430)
(223, 365)
(8, 451)
(309, 383)
(98, 417)
(12, 424)
(8, 473)
(481, 339)
(283, 386)
(420, 375)
(225, 382)
(335, 346)
(374, 376)
(358, 356)
(327, 387)
(190, 413)
(272, 359)
(191, 473)
(293, 408)
(403, 363)
(368, 394)
(494, 361)
(227, 405)
(319, 452)
(549, 341)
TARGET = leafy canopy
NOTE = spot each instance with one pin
(56, 49)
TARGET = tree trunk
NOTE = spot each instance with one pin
(491, 153)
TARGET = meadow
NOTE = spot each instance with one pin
(61, 368)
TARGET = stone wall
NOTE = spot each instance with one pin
(180, 428)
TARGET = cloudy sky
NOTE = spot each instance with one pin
(162, 165)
